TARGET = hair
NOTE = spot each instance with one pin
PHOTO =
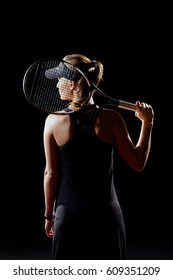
(92, 69)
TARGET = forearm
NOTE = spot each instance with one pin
(50, 191)
(143, 145)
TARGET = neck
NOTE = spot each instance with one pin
(77, 105)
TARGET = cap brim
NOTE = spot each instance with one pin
(56, 72)
(62, 71)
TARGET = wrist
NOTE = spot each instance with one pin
(148, 122)
(49, 217)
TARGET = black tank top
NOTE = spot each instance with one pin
(87, 165)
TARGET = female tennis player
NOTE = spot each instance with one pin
(83, 215)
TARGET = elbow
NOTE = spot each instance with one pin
(50, 177)
(48, 173)
(139, 161)
(139, 166)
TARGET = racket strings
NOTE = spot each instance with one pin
(43, 92)
(44, 89)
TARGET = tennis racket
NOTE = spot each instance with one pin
(40, 87)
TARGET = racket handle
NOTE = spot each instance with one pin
(126, 105)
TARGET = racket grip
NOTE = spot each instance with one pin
(126, 105)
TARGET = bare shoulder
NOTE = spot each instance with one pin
(109, 123)
(57, 122)
(58, 126)
(111, 115)
(56, 119)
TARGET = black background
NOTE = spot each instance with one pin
(135, 45)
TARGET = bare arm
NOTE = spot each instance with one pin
(146, 114)
(135, 155)
(50, 182)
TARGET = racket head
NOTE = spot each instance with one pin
(40, 84)
(40, 87)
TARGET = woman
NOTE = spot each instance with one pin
(82, 211)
